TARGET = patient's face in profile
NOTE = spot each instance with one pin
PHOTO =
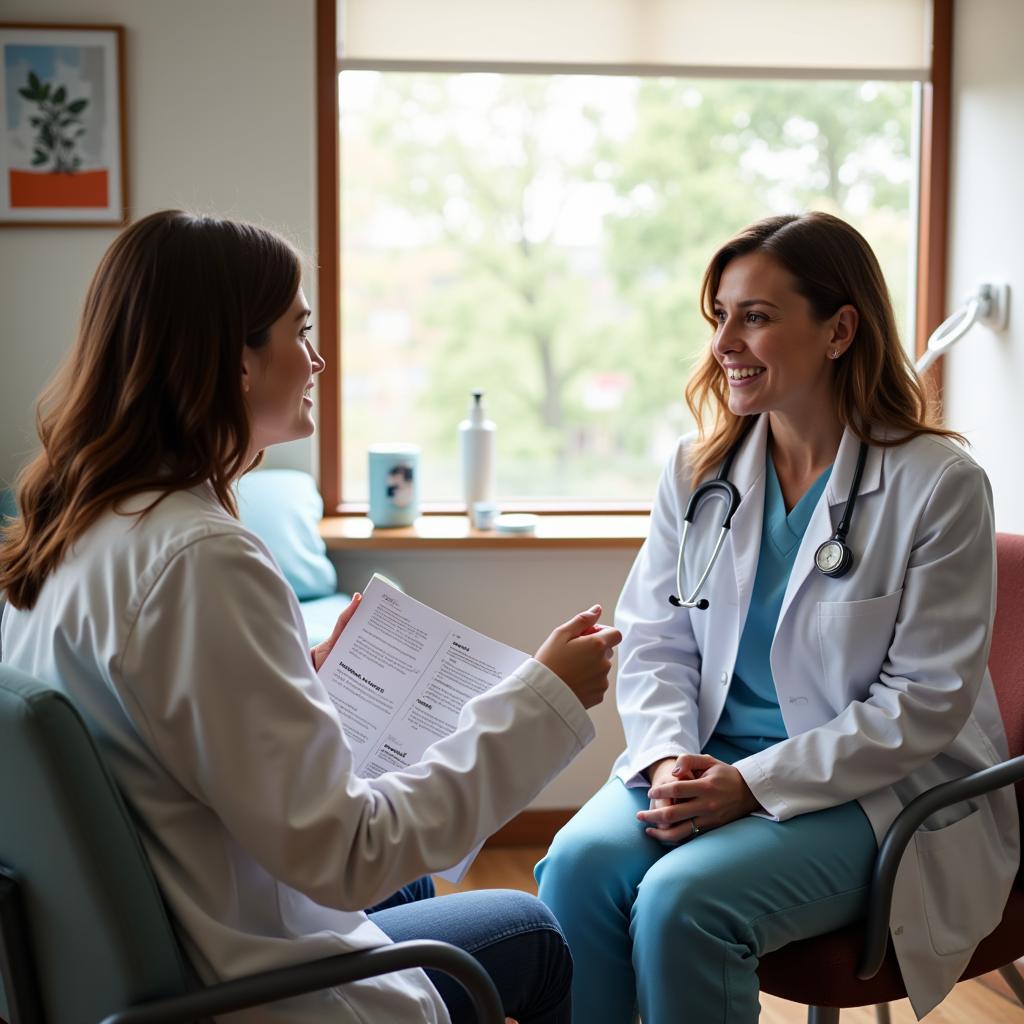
(279, 379)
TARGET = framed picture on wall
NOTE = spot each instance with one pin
(62, 142)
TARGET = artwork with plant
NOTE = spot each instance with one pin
(58, 125)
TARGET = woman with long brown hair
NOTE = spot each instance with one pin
(132, 587)
(783, 701)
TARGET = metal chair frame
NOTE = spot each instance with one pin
(18, 973)
(883, 879)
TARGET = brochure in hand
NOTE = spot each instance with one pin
(399, 676)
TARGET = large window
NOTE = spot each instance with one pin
(539, 231)
(543, 238)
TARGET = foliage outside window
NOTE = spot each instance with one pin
(543, 237)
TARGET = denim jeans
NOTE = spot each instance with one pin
(512, 934)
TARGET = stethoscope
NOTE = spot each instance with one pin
(833, 558)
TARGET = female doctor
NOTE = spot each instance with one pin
(777, 726)
(132, 587)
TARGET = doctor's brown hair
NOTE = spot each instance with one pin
(874, 381)
(150, 397)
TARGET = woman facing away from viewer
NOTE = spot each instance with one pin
(133, 588)
(773, 735)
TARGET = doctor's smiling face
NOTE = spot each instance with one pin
(776, 354)
(278, 379)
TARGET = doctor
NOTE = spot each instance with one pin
(133, 588)
(774, 735)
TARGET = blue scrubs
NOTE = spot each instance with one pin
(675, 931)
(751, 719)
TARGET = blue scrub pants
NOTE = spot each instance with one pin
(512, 934)
(676, 931)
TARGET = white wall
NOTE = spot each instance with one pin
(985, 372)
(220, 120)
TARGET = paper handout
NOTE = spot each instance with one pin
(399, 676)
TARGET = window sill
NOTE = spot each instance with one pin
(347, 533)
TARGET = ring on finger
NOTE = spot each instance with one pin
(695, 827)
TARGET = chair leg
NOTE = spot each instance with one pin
(1012, 977)
(822, 1015)
(882, 1015)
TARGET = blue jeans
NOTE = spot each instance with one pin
(676, 931)
(512, 934)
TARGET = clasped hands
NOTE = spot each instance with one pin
(694, 788)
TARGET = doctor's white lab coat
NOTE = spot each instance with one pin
(183, 646)
(881, 675)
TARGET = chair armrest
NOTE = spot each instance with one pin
(298, 979)
(901, 831)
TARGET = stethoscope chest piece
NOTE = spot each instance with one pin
(833, 558)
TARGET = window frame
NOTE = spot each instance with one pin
(932, 217)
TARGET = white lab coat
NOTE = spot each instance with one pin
(184, 648)
(881, 674)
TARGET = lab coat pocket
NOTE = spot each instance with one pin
(954, 862)
(854, 638)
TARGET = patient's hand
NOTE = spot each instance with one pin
(579, 652)
(320, 652)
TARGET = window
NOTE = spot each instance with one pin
(541, 235)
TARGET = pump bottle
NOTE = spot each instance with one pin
(476, 453)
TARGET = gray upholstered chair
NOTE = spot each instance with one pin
(84, 934)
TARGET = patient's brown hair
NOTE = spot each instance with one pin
(150, 397)
(875, 386)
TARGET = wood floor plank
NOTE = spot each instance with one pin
(969, 1003)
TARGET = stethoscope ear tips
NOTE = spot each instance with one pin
(672, 599)
(702, 604)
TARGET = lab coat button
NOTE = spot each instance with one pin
(898, 931)
(725, 678)
(797, 700)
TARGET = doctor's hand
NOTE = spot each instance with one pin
(320, 652)
(696, 788)
(579, 652)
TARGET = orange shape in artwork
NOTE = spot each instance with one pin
(34, 189)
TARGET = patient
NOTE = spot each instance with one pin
(132, 587)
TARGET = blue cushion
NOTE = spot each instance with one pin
(8, 509)
(283, 507)
(321, 614)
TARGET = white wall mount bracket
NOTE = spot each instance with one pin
(994, 305)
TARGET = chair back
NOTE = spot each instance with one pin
(1006, 660)
(98, 930)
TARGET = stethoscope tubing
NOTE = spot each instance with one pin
(717, 487)
(721, 486)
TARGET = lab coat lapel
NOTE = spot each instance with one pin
(829, 510)
(749, 479)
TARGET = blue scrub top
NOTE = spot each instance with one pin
(751, 719)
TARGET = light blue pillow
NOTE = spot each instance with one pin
(321, 614)
(282, 507)
(8, 508)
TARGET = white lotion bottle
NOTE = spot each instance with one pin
(476, 453)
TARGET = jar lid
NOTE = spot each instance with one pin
(516, 522)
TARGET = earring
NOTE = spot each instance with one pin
(834, 354)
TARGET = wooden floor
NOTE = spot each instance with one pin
(972, 1002)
